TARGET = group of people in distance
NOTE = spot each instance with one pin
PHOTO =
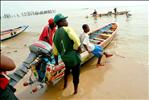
(95, 13)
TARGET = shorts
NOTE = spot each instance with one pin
(98, 51)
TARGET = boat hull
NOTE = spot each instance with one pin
(12, 32)
(102, 36)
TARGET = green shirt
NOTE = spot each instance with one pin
(66, 42)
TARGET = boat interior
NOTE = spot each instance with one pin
(100, 36)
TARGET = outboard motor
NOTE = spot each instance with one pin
(41, 47)
(36, 49)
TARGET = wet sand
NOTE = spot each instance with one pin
(120, 79)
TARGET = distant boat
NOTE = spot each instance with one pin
(7, 34)
(110, 13)
(121, 13)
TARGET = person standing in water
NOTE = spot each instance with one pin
(115, 10)
(67, 44)
(95, 13)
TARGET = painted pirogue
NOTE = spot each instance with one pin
(7, 34)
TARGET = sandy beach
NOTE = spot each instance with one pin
(120, 78)
(125, 76)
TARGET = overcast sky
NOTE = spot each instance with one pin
(20, 6)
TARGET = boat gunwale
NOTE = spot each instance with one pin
(22, 28)
(103, 44)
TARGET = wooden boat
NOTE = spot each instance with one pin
(7, 34)
(121, 13)
(101, 14)
(109, 14)
(102, 36)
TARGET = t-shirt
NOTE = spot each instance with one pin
(66, 42)
(47, 32)
(84, 38)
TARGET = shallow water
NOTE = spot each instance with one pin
(125, 75)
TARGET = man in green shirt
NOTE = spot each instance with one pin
(67, 44)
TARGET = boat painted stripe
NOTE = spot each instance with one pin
(13, 30)
(39, 45)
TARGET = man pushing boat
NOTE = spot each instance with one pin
(67, 44)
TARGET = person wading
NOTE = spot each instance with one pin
(67, 44)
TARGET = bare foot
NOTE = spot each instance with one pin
(98, 65)
(34, 90)
(107, 54)
(75, 89)
(25, 84)
(65, 86)
(75, 92)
